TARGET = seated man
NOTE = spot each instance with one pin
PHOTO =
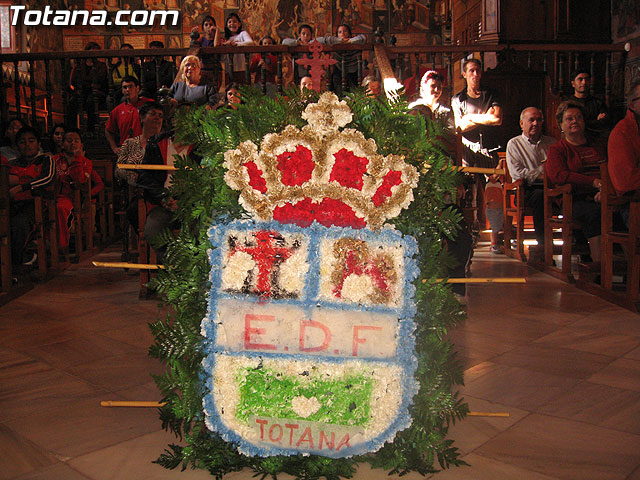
(526, 154)
(160, 150)
(72, 169)
(27, 173)
(124, 121)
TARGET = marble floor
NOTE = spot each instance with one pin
(565, 365)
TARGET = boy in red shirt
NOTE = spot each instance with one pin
(72, 169)
(124, 121)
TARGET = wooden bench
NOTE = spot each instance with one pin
(562, 221)
(5, 231)
(629, 240)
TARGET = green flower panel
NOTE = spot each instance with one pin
(266, 393)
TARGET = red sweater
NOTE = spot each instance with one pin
(624, 155)
(567, 163)
(78, 171)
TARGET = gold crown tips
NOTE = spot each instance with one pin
(321, 173)
(328, 115)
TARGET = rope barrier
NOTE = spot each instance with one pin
(481, 280)
(140, 266)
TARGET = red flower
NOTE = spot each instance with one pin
(348, 169)
(391, 179)
(328, 212)
(256, 180)
(296, 167)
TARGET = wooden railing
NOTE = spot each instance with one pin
(38, 82)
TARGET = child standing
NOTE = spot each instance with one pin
(234, 35)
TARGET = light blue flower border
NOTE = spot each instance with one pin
(315, 233)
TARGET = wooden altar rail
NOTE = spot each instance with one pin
(51, 81)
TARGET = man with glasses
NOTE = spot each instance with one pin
(526, 155)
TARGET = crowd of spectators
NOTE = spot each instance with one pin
(135, 131)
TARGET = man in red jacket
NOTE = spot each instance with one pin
(624, 146)
(28, 173)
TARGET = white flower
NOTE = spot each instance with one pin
(357, 288)
(293, 271)
(236, 270)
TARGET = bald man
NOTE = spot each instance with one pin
(526, 155)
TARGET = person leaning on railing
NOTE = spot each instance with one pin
(210, 63)
(344, 35)
(267, 61)
(305, 37)
(235, 35)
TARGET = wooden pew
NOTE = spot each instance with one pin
(629, 240)
(146, 254)
(514, 212)
(5, 231)
(105, 202)
(46, 230)
(562, 221)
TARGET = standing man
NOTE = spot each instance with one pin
(526, 155)
(124, 121)
(166, 72)
(624, 146)
(477, 115)
(595, 112)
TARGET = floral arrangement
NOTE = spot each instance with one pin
(285, 298)
(310, 334)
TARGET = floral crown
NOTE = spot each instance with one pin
(321, 173)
